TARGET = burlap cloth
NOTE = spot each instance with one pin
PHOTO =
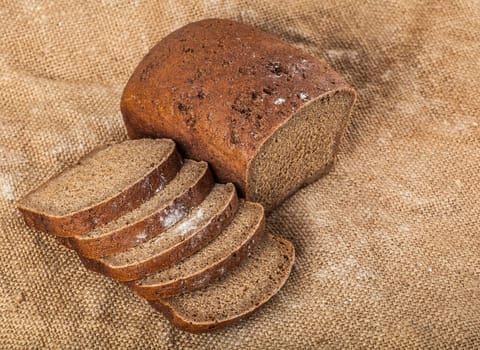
(388, 244)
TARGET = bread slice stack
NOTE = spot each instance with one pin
(138, 213)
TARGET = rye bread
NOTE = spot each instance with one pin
(221, 255)
(238, 294)
(266, 116)
(184, 238)
(105, 184)
(168, 206)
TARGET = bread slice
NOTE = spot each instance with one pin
(105, 184)
(213, 261)
(238, 294)
(276, 129)
(168, 206)
(189, 235)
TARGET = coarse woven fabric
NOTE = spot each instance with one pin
(388, 244)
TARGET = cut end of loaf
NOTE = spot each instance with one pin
(237, 295)
(301, 150)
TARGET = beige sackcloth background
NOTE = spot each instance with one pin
(388, 244)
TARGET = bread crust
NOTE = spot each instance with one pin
(110, 209)
(226, 88)
(149, 227)
(205, 276)
(172, 255)
(183, 323)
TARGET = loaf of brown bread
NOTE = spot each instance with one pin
(265, 115)
(105, 184)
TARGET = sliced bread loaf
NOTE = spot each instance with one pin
(265, 115)
(105, 184)
(213, 261)
(238, 294)
(189, 235)
(168, 206)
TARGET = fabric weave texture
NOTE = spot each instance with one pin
(388, 244)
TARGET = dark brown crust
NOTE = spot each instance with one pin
(220, 80)
(172, 256)
(86, 220)
(180, 322)
(205, 276)
(127, 237)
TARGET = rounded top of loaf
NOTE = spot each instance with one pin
(220, 88)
